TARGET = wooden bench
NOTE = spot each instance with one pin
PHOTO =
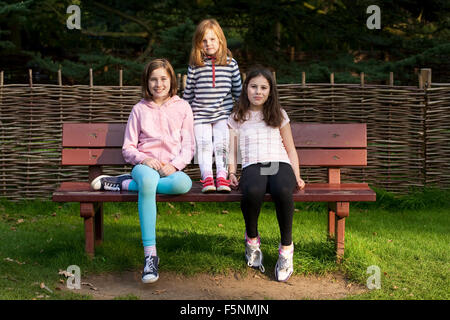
(319, 145)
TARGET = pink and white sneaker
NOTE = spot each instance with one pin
(223, 185)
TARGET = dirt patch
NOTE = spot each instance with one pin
(252, 286)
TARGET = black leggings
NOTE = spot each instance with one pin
(276, 178)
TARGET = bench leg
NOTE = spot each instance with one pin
(98, 223)
(340, 238)
(331, 222)
(341, 210)
(87, 212)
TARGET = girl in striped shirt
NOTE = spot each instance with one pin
(213, 84)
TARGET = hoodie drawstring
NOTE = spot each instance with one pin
(213, 60)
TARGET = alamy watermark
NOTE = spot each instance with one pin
(374, 20)
(73, 274)
(374, 281)
(74, 20)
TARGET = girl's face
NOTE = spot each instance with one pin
(159, 84)
(210, 43)
(258, 91)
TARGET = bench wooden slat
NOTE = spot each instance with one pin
(81, 192)
(307, 157)
(93, 134)
(332, 157)
(334, 135)
(91, 157)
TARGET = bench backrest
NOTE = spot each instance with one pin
(332, 145)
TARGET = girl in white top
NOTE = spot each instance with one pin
(269, 164)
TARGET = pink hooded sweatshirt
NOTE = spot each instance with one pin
(165, 133)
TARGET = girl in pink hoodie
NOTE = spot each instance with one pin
(159, 141)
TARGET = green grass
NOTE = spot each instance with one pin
(406, 237)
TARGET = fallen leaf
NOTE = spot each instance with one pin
(159, 291)
(20, 221)
(43, 286)
(90, 285)
(11, 260)
(225, 212)
(170, 205)
(65, 273)
(220, 225)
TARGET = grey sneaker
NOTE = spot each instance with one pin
(109, 183)
(150, 273)
(254, 256)
(284, 268)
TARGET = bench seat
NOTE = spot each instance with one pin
(316, 192)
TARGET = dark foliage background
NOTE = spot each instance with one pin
(315, 36)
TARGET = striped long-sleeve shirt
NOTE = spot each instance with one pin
(210, 90)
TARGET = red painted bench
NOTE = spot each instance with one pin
(319, 145)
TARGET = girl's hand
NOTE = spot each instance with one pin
(234, 182)
(152, 163)
(167, 170)
(300, 184)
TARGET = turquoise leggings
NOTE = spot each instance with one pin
(147, 182)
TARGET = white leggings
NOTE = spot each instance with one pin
(212, 137)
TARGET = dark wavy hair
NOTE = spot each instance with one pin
(149, 68)
(271, 109)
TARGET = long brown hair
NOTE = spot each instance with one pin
(271, 109)
(223, 55)
(149, 68)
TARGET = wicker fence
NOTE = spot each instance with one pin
(408, 130)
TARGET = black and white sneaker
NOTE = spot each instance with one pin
(150, 273)
(109, 183)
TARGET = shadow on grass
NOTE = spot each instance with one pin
(188, 252)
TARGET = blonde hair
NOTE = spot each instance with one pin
(223, 55)
(149, 68)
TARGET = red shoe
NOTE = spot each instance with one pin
(223, 185)
(208, 185)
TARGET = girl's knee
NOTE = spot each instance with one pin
(283, 193)
(176, 183)
(182, 186)
(183, 183)
(253, 192)
(146, 179)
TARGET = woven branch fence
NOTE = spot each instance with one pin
(408, 130)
